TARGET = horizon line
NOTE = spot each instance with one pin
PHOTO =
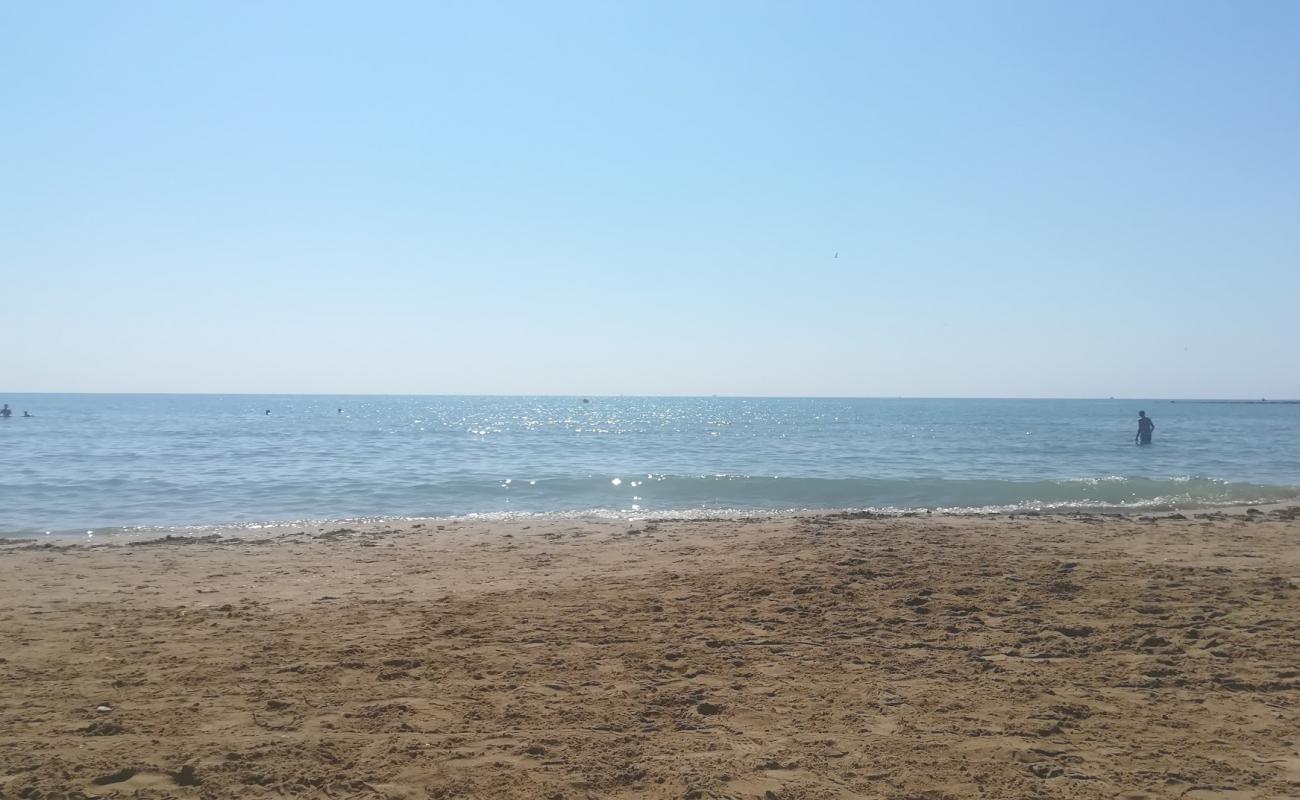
(1259, 401)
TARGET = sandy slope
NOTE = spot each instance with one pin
(831, 657)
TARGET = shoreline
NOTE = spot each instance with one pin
(128, 535)
(836, 656)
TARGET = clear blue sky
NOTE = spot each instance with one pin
(1027, 199)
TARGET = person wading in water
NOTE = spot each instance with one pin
(1145, 427)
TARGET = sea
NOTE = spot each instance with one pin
(126, 465)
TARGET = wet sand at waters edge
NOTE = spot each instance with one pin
(838, 656)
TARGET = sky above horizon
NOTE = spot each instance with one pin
(1026, 199)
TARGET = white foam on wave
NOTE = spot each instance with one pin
(759, 496)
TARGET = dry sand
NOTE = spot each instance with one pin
(819, 657)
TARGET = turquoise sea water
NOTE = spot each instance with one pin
(96, 462)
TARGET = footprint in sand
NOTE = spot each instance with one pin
(148, 778)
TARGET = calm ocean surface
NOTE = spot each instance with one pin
(104, 462)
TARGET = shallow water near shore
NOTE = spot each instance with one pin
(96, 462)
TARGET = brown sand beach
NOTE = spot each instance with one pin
(818, 657)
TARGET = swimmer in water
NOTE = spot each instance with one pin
(1145, 428)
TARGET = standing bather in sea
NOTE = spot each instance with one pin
(1145, 427)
